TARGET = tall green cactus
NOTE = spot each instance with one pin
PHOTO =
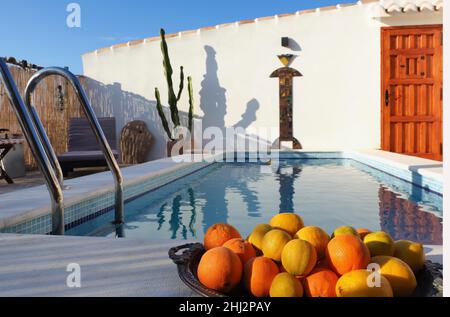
(159, 107)
(173, 98)
(191, 104)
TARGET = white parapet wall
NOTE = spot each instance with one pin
(336, 102)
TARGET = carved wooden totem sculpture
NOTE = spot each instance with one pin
(286, 77)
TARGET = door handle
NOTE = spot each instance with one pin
(386, 98)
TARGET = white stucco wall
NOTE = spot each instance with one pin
(336, 102)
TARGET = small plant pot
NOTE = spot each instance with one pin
(170, 146)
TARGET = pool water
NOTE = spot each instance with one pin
(327, 193)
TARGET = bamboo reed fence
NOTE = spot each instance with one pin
(55, 102)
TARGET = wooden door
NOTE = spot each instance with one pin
(412, 90)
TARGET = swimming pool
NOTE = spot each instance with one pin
(325, 192)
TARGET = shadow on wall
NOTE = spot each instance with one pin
(213, 99)
(249, 116)
(112, 101)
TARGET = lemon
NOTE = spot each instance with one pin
(411, 253)
(356, 284)
(317, 237)
(398, 273)
(258, 234)
(291, 223)
(299, 257)
(379, 243)
(345, 230)
(273, 243)
(286, 285)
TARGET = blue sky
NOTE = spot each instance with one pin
(36, 30)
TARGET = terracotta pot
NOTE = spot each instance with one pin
(171, 144)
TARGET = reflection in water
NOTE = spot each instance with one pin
(248, 195)
(216, 206)
(176, 218)
(176, 211)
(250, 199)
(401, 217)
(327, 193)
(194, 212)
(182, 210)
(286, 178)
(161, 218)
(405, 220)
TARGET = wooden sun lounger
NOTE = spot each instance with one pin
(83, 149)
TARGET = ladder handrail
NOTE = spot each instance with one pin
(95, 126)
(34, 141)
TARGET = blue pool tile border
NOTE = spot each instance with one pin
(311, 155)
(410, 176)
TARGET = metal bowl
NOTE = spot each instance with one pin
(187, 258)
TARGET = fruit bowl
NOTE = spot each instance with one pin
(187, 263)
(187, 258)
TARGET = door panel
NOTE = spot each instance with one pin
(412, 90)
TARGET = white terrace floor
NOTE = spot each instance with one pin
(36, 266)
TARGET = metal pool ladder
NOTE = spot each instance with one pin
(37, 149)
(95, 126)
(44, 152)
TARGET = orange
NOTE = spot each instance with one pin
(220, 269)
(321, 283)
(363, 232)
(243, 249)
(259, 274)
(317, 237)
(346, 253)
(218, 234)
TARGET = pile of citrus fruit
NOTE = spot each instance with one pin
(286, 259)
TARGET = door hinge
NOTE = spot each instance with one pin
(442, 149)
(442, 93)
